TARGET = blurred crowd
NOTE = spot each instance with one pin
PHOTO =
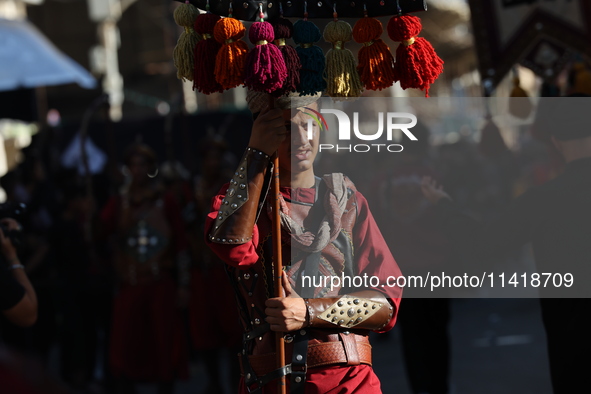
(128, 291)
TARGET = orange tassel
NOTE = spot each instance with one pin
(231, 58)
(376, 63)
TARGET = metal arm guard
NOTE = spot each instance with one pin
(355, 310)
(243, 200)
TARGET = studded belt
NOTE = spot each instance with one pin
(344, 348)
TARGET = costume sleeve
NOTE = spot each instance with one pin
(231, 228)
(374, 258)
(241, 255)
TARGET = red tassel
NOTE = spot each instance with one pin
(417, 64)
(230, 60)
(265, 67)
(376, 63)
(283, 29)
(205, 55)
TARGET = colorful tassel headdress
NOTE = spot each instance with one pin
(342, 75)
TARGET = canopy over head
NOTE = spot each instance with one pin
(248, 10)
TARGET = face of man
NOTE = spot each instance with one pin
(297, 152)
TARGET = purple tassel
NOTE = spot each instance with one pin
(206, 51)
(283, 30)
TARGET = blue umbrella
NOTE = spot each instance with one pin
(28, 59)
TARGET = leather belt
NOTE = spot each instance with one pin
(349, 349)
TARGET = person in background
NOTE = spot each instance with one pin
(556, 218)
(148, 250)
(18, 300)
(31, 185)
(83, 296)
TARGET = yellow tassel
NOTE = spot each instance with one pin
(185, 15)
(342, 78)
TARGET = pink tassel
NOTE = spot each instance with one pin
(265, 67)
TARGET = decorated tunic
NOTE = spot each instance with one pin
(147, 338)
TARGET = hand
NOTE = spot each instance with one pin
(287, 313)
(8, 249)
(268, 131)
(432, 191)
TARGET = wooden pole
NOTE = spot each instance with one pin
(277, 261)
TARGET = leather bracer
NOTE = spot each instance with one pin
(367, 310)
(238, 213)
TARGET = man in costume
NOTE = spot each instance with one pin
(328, 230)
(147, 338)
(556, 218)
(211, 342)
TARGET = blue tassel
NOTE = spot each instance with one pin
(305, 34)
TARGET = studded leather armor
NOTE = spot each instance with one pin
(237, 215)
(327, 341)
(145, 251)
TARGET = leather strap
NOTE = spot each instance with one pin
(253, 380)
(311, 266)
(299, 362)
(257, 332)
(250, 377)
(333, 353)
(352, 349)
